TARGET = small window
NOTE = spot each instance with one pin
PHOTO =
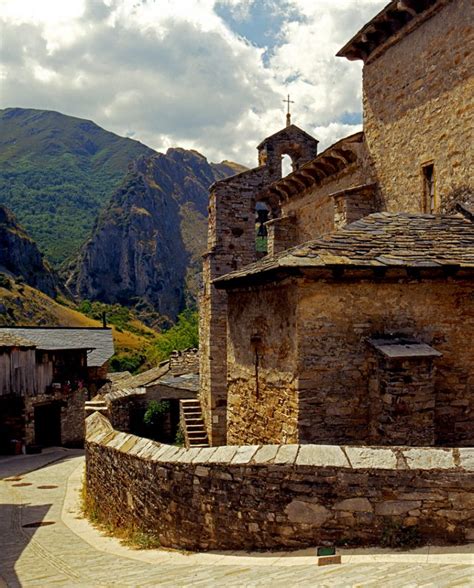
(262, 215)
(429, 188)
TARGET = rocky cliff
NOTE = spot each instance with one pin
(20, 257)
(145, 250)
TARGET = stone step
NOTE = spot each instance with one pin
(196, 433)
(96, 408)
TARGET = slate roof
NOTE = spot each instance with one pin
(98, 340)
(13, 340)
(381, 240)
(162, 376)
(147, 378)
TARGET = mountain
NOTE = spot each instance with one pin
(20, 257)
(57, 172)
(21, 304)
(145, 250)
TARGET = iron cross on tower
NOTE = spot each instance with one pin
(288, 114)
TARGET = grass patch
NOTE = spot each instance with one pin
(130, 536)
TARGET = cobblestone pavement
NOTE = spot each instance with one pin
(66, 551)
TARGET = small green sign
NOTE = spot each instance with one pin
(326, 551)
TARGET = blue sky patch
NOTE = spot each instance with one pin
(263, 23)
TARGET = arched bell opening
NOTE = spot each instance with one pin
(287, 165)
(262, 215)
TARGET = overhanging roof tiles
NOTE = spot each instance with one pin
(380, 240)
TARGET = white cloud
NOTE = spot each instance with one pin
(175, 73)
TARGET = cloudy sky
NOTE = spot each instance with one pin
(204, 74)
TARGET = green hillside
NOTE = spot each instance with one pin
(57, 172)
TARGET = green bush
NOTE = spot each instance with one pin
(154, 419)
(5, 282)
(179, 439)
(126, 362)
(183, 335)
(395, 534)
(155, 411)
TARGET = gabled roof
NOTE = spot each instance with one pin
(380, 240)
(399, 17)
(98, 340)
(290, 130)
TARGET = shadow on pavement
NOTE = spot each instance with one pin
(17, 465)
(14, 537)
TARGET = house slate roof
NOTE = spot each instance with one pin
(98, 340)
(162, 375)
(14, 340)
(380, 240)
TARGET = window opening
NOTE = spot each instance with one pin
(262, 215)
(286, 165)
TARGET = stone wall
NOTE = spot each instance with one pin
(278, 496)
(417, 109)
(261, 380)
(231, 243)
(335, 320)
(120, 405)
(317, 212)
(72, 418)
(402, 400)
(71, 415)
(186, 362)
(323, 354)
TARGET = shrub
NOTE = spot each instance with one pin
(395, 534)
(183, 335)
(5, 282)
(154, 412)
(126, 362)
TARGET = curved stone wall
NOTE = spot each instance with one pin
(273, 496)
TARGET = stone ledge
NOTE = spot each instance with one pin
(99, 431)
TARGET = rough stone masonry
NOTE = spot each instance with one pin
(276, 496)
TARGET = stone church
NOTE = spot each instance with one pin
(338, 303)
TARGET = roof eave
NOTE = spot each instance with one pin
(397, 16)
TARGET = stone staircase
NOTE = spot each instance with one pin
(192, 423)
(91, 406)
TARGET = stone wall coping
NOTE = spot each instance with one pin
(99, 431)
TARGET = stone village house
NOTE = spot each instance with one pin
(46, 375)
(356, 326)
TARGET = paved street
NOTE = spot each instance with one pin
(44, 542)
